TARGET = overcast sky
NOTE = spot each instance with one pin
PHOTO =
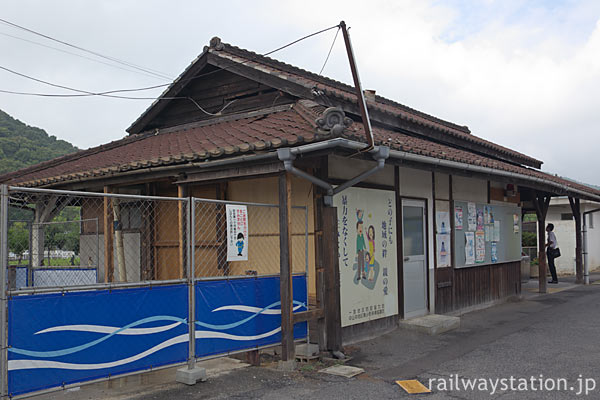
(523, 74)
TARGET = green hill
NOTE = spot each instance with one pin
(22, 145)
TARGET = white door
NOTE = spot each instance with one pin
(414, 262)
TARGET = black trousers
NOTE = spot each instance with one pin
(551, 265)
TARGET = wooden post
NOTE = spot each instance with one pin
(333, 317)
(285, 257)
(321, 172)
(576, 208)
(541, 203)
(109, 266)
(181, 207)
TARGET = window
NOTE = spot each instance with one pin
(566, 217)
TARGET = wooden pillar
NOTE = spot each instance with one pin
(221, 222)
(333, 313)
(285, 258)
(109, 265)
(576, 209)
(318, 205)
(541, 203)
(182, 218)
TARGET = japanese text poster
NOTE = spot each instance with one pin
(237, 232)
(367, 254)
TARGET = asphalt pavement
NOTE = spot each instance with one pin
(540, 347)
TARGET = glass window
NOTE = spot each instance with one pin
(412, 223)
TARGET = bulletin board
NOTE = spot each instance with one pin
(486, 233)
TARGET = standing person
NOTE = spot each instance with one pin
(550, 248)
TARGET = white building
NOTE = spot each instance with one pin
(561, 215)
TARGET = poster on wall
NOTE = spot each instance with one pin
(488, 233)
(479, 246)
(237, 232)
(480, 219)
(442, 220)
(458, 218)
(444, 252)
(496, 231)
(471, 217)
(494, 252)
(367, 254)
(469, 248)
(487, 212)
(516, 223)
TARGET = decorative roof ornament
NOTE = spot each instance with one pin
(333, 119)
(215, 43)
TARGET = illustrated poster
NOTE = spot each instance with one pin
(479, 246)
(515, 223)
(442, 221)
(494, 252)
(444, 254)
(237, 232)
(458, 218)
(367, 254)
(471, 217)
(469, 248)
(479, 219)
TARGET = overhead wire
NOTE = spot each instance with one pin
(110, 93)
(81, 56)
(330, 49)
(138, 67)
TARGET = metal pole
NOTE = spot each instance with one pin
(362, 104)
(191, 232)
(3, 297)
(586, 266)
(306, 266)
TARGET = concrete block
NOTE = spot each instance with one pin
(190, 376)
(307, 350)
(287, 366)
(432, 324)
(346, 371)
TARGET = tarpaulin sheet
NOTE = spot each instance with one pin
(65, 338)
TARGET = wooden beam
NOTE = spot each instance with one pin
(576, 209)
(109, 266)
(333, 318)
(309, 315)
(285, 257)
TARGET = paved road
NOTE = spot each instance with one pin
(546, 337)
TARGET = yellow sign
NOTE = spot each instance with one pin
(413, 387)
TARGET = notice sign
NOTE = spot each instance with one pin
(367, 254)
(237, 232)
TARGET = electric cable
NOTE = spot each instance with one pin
(330, 49)
(147, 70)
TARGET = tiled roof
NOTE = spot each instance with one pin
(253, 133)
(333, 91)
(259, 132)
(340, 90)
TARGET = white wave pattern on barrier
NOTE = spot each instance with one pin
(256, 310)
(14, 365)
(110, 329)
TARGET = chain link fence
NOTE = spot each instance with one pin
(58, 239)
(259, 242)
